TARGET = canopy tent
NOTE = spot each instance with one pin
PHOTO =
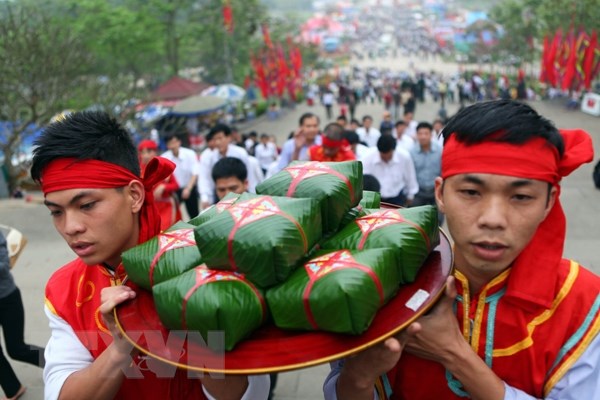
(226, 91)
(177, 88)
(198, 105)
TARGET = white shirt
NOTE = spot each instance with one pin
(405, 142)
(362, 151)
(186, 165)
(394, 176)
(65, 354)
(255, 174)
(411, 129)
(207, 187)
(370, 137)
(265, 154)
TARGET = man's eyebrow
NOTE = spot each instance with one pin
(478, 181)
(472, 179)
(74, 200)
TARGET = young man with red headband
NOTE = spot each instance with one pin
(88, 168)
(334, 146)
(517, 321)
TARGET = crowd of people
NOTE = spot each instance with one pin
(493, 170)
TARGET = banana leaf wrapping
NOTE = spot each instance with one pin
(263, 237)
(338, 291)
(209, 300)
(369, 200)
(337, 186)
(165, 256)
(413, 232)
(215, 209)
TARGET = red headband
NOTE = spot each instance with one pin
(327, 142)
(147, 144)
(71, 173)
(536, 159)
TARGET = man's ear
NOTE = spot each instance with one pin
(439, 191)
(552, 196)
(245, 186)
(137, 194)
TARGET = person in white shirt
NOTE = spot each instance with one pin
(394, 170)
(403, 140)
(265, 152)
(359, 149)
(411, 125)
(223, 148)
(438, 125)
(186, 173)
(367, 133)
(304, 137)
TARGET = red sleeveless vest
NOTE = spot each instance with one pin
(530, 348)
(73, 294)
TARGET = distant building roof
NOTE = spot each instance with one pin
(178, 88)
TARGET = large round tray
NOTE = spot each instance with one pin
(271, 349)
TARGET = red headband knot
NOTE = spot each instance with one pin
(72, 173)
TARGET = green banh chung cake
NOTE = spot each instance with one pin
(413, 232)
(336, 186)
(167, 255)
(209, 300)
(263, 237)
(338, 291)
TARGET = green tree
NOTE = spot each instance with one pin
(41, 63)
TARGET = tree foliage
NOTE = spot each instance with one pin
(41, 62)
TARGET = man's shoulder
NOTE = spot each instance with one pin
(236, 151)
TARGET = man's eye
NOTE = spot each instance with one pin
(88, 206)
(55, 213)
(469, 192)
(523, 197)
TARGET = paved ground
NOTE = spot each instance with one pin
(46, 251)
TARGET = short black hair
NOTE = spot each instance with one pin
(399, 122)
(217, 129)
(305, 116)
(386, 143)
(228, 167)
(502, 121)
(334, 131)
(253, 134)
(367, 117)
(264, 136)
(351, 137)
(355, 121)
(371, 183)
(424, 125)
(342, 117)
(85, 135)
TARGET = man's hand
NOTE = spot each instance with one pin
(185, 193)
(299, 139)
(110, 297)
(437, 336)
(360, 372)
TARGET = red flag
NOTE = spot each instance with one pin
(550, 69)
(267, 36)
(227, 16)
(568, 64)
(588, 62)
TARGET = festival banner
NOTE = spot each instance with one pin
(592, 56)
(228, 16)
